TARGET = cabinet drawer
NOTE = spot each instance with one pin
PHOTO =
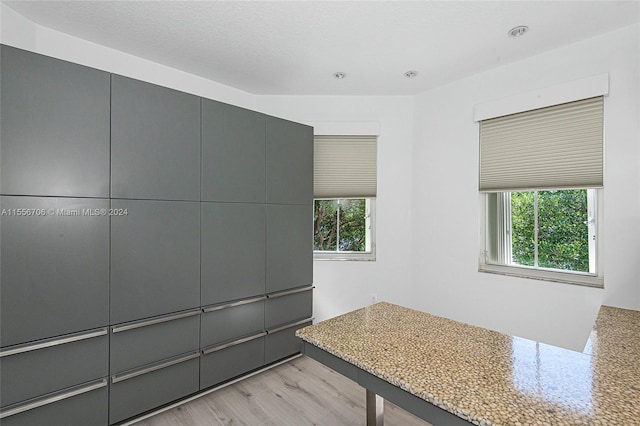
(224, 362)
(140, 390)
(233, 320)
(288, 306)
(78, 406)
(282, 342)
(144, 342)
(29, 371)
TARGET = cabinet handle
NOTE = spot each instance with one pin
(288, 292)
(126, 376)
(234, 343)
(22, 407)
(54, 342)
(233, 304)
(125, 327)
(284, 327)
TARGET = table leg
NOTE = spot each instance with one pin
(375, 409)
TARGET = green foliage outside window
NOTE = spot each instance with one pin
(563, 235)
(339, 225)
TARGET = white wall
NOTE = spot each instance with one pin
(446, 200)
(17, 31)
(342, 286)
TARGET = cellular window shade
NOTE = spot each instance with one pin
(344, 166)
(554, 147)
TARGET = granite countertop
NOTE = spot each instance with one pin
(489, 378)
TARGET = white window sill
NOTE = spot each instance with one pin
(342, 256)
(577, 278)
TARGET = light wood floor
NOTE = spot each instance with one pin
(298, 393)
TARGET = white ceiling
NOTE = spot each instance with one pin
(294, 47)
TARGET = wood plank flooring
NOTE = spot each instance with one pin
(300, 392)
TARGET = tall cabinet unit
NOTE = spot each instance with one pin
(152, 243)
(54, 313)
(289, 267)
(155, 246)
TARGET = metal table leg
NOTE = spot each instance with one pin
(375, 409)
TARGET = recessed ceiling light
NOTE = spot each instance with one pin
(339, 75)
(411, 74)
(518, 31)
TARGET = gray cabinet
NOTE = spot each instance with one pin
(55, 267)
(282, 342)
(289, 247)
(233, 153)
(45, 366)
(139, 343)
(55, 127)
(141, 390)
(155, 259)
(233, 251)
(155, 142)
(82, 405)
(289, 162)
(231, 321)
(221, 363)
(288, 306)
(149, 242)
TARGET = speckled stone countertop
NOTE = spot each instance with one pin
(489, 378)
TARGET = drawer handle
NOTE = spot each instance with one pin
(284, 327)
(54, 342)
(120, 328)
(21, 408)
(233, 304)
(288, 292)
(234, 343)
(126, 376)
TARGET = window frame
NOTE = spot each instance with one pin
(588, 279)
(353, 255)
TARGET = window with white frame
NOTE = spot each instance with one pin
(344, 197)
(541, 174)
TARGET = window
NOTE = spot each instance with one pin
(541, 179)
(548, 234)
(343, 227)
(344, 191)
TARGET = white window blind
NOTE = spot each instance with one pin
(554, 147)
(344, 166)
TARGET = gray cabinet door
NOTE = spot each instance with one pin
(155, 142)
(55, 127)
(233, 251)
(66, 408)
(224, 364)
(289, 246)
(143, 392)
(233, 153)
(283, 343)
(288, 308)
(144, 342)
(289, 162)
(36, 369)
(226, 324)
(155, 258)
(55, 267)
